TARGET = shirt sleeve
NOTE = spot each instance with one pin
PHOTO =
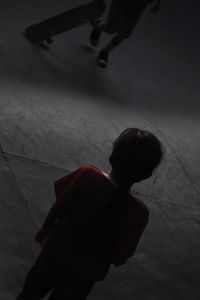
(66, 190)
(128, 238)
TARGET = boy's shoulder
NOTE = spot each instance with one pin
(89, 171)
(92, 170)
(90, 175)
(77, 175)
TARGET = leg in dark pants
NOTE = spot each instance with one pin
(71, 288)
(47, 275)
(104, 53)
(117, 23)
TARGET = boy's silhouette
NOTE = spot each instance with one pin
(123, 17)
(95, 221)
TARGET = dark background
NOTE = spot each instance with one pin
(59, 110)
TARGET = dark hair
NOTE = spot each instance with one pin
(136, 153)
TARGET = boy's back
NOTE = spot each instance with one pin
(99, 225)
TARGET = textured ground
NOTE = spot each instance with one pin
(59, 111)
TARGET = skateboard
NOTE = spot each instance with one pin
(44, 31)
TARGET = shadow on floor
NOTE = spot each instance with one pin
(72, 68)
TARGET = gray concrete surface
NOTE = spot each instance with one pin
(59, 111)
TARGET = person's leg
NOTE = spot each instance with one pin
(96, 33)
(40, 279)
(104, 53)
(110, 26)
(72, 287)
(22, 296)
(124, 32)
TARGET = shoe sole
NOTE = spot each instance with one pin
(102, 63)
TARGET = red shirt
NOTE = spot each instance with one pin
(80, 196)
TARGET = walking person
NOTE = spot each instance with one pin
(95, 222)
(122, 19)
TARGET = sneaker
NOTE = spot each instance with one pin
(103, 58)
(95, 37)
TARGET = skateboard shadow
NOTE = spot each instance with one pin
(72, 68)
(78, 71)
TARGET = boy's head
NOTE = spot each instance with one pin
(136, 153)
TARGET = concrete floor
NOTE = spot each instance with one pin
(59, 111)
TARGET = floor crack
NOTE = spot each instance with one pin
(39, 162)
(17, 184)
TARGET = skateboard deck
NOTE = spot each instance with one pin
(66, 21)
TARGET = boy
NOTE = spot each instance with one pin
(123, 17)
(95, 221)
